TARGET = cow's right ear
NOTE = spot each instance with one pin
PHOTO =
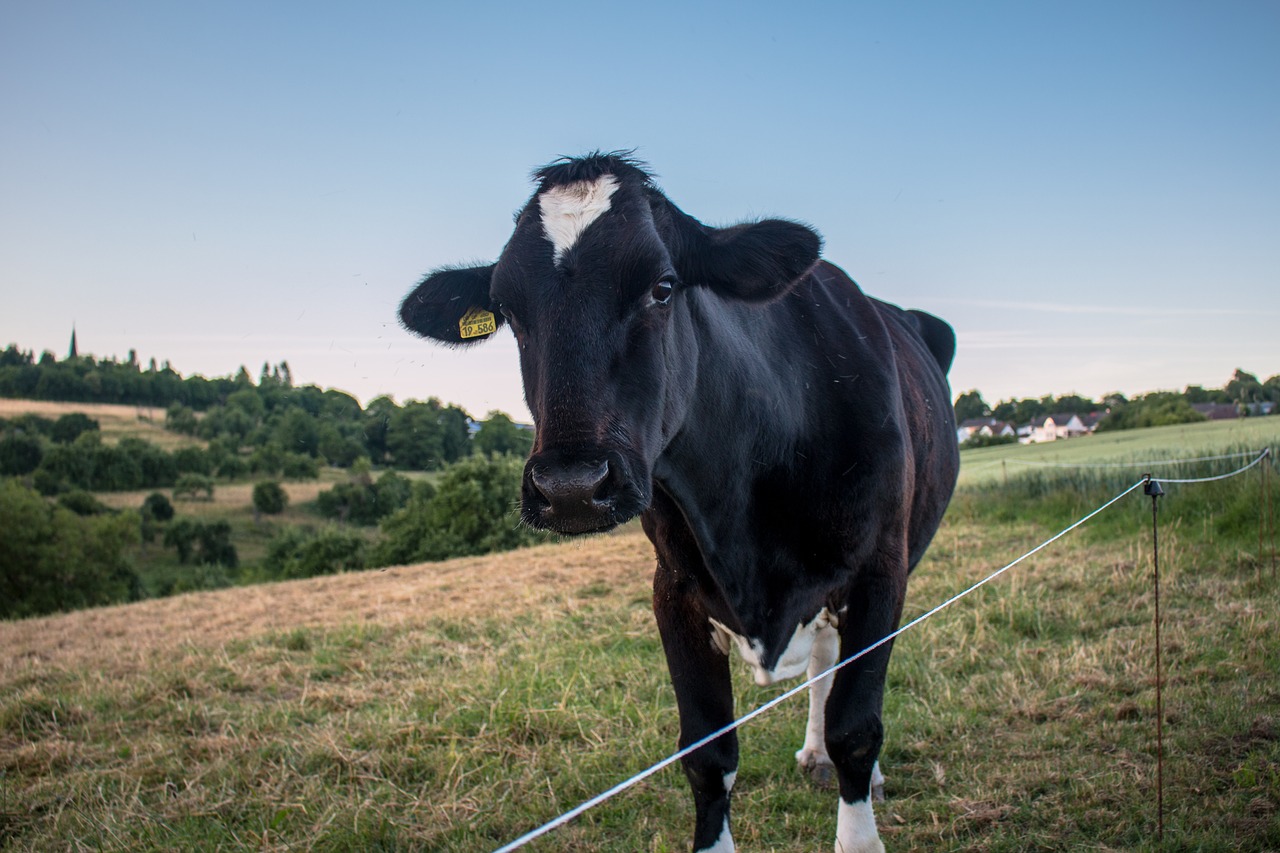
(452, 306)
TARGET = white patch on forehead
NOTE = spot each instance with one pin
(568, 210)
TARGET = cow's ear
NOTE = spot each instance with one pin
(452, 306)
(756, 261)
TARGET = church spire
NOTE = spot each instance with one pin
(73, 352)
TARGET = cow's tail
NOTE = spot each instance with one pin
(938, 336)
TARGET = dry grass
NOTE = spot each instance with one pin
(116, 422)
(125, 639)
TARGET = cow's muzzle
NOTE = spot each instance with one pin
(576, 496)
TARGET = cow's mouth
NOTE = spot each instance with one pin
(577, 497)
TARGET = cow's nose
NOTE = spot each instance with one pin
(572, 487)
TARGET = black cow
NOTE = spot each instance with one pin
(787, 442)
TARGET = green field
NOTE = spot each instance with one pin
(453, 706)
(989, 464)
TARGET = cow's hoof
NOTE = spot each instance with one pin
(818, 768)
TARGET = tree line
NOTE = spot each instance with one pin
(1158, 408)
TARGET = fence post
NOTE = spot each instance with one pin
(1152, 489)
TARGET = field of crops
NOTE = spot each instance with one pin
(454, 706)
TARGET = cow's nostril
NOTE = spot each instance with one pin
(583, 483)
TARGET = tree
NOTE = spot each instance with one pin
(1244, 388)
(19, 454)
(425, 436)
(269, 498)
(970, 405)
(499, 434)
(156, 506)
(68, 428)
(191, 485)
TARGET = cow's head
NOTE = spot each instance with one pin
(599, 284)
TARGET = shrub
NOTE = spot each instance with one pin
(82, 503)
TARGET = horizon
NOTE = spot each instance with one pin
(255, 375)
(1089, 194)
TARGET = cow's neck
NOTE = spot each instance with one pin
(744, 421)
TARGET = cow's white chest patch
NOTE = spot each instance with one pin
(568, 210)
(794, 659)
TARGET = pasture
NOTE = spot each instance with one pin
(115, 421)
(454, 706)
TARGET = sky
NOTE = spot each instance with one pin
(1089, 192)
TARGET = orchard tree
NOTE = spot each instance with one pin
(269, 498)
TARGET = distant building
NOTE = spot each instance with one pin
(1059, 426)
(73, 352)
(983, 426)
(1217, 411)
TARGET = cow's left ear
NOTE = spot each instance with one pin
(755, 262)
(452, 306)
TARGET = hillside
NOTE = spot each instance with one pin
(120, 639)
(452, 706)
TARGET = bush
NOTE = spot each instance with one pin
(473, 511)
(202, 542)
(297, 466)
(82, 503)
(296, 553)
(363, 502)
(988, 441)
(269, 498)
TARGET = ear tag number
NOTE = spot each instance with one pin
(477, 323)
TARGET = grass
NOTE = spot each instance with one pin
(454, 706)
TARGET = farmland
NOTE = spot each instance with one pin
(452, 706)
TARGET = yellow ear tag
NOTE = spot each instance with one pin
(477, 323)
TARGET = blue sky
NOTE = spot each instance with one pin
(1088, 192)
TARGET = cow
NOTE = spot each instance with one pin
(787, 442)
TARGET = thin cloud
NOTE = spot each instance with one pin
(1113, 310)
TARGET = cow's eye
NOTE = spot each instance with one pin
(661, 293)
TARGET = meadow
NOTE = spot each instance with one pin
(453, 706)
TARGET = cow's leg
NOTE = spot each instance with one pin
(704, 696)
(813, 758)
(854, 729)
